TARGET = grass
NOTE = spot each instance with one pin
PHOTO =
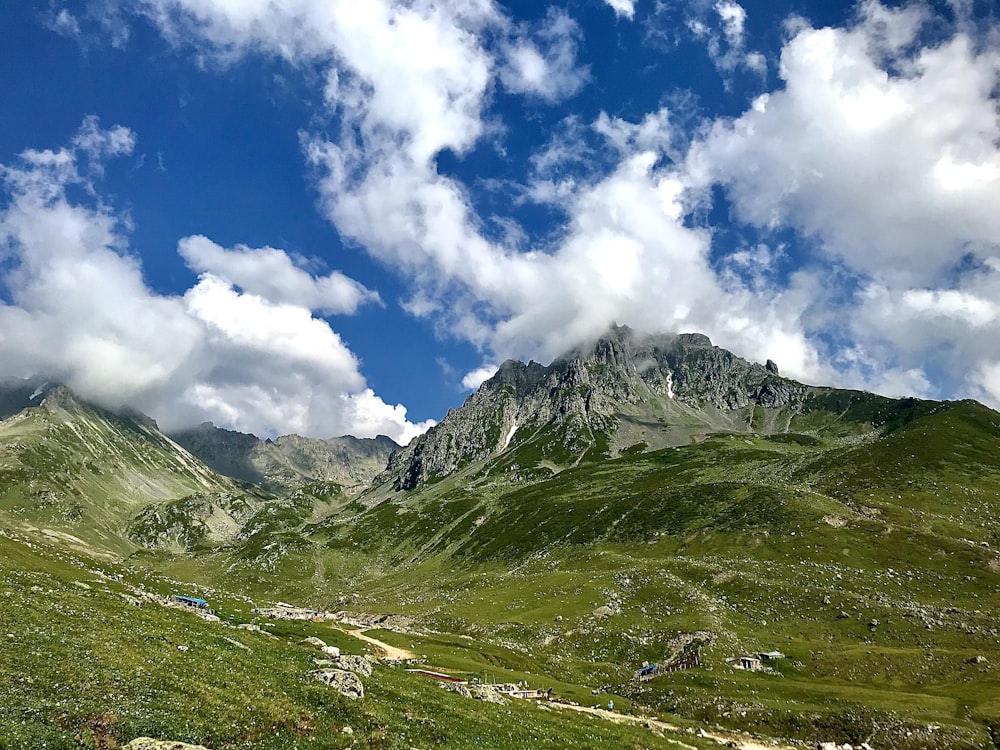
(84, 668)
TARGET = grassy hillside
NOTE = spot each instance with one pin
(86, 668)
(870, 560)
(861, 542)
(79, 470)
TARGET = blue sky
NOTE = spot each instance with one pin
(333, 217)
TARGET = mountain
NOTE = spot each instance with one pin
(628, 392)
(112, 481)
(289, 461)
(83, 470)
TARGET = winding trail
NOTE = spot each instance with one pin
(384, 650)
(723, 738)
(393, 653)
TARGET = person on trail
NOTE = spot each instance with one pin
(611, 705)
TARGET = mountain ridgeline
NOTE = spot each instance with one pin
(629, 392)
(288, 461)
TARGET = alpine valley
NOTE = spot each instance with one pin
(726, 556)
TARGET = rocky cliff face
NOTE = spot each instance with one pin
(626, 390)
(288, 461)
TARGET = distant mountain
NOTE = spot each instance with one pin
(75, 467)
(289, 461)
(629, 392)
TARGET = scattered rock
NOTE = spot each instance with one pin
(314, 642)
(978, 659)
(487, 693)
(361, 665)
(148, 743)
(181, 647)
(873, 623)
(346, 683)
(454, 687)
(347, 730)
(603, 612)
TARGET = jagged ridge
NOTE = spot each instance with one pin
(628, 391)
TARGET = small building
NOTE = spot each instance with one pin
(747, 662)
(647, 671)
(191, 601)
(770, 655)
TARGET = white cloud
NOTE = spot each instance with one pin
(65, 23)
(623, 8)
(477, 377)
(723, 30)
(410, 80)
(545, 65)
(655, 133)
(986, 381)
(733, 18)
(878, 150)
(883, 152)
(81, 313)
(911, 159)
(271, 274)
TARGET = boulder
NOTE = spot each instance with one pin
(314, 642)
(346, 683)
(361, 665)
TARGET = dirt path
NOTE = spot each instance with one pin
(383, 650)
(722, 738)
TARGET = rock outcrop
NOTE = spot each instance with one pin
(344, 682)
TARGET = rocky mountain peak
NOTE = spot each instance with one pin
(625, 388)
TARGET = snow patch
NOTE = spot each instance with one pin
(670, 385)
(38, 391)
(510, 435)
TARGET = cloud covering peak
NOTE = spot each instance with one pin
(241, 347)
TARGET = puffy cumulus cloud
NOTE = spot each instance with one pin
(391, 67)
(410, 80)
(273, 275)
(81, 313)
(895, 173)
(882, 149)
(544, 63)
(879, 149)
(623, 8)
